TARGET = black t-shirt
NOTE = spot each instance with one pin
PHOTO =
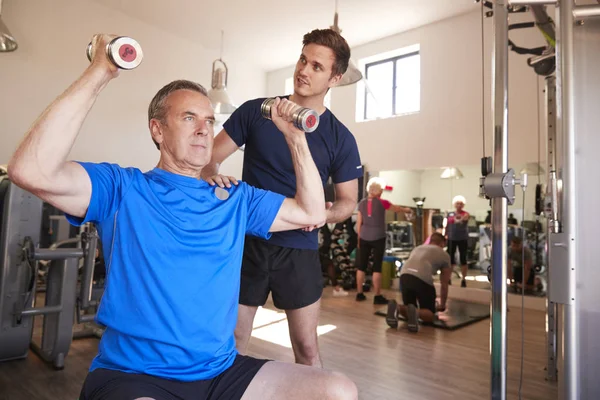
(268, 163)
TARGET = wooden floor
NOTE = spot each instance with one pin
(384, 363)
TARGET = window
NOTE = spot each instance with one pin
(393, 86)
(289, 89)
(289, 85)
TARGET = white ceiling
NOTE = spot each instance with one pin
(269, 32)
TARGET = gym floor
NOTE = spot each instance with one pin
(383, 362)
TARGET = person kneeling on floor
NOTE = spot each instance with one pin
(417, 286)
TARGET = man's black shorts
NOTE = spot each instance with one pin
(105, 384)
(293, 276)
(416, 291)
(518, 276)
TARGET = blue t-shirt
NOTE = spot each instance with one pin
(173, 253)
(268, 163)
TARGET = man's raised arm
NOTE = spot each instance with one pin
(308, 206)
(40, 164)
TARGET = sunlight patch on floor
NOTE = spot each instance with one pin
(272, 326)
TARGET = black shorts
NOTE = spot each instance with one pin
(368, 247)
(462, 246)
(518, 276)
(293, 276)
(417, 292)
(104, 384)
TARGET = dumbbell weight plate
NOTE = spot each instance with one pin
(124, 52)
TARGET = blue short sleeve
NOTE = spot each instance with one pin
(346, 165)
(238, 125)
(109, 184)
(263, 207)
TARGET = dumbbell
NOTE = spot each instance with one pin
(124, 52)
(303, 118)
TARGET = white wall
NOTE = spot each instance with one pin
(440, 192)
(405, 184)
(53, 36)
(447, 130)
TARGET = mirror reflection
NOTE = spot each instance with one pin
(446, 200)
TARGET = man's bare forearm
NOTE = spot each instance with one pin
(48, 142)
(340, 210)
(309, 188)
(444, 294)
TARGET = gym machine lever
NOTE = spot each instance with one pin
(89, 242)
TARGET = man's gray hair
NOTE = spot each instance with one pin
(158, 110)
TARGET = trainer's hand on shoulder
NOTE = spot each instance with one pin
(222, 180)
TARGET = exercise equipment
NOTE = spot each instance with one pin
(20, 214)
(534, 241)
(400, 236)
(124, 52)
(572, 122)
(543, 60)
(303, 118)
(458, 314)
(335, 247)
(20, 222)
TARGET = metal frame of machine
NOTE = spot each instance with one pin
(573, 356)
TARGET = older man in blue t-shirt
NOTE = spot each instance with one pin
(173, 247)
(288, 264)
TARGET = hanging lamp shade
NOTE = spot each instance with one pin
(7, 41)
(352, 74)
(218, 94)
(451, 173)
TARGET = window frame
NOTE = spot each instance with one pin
(393, 60)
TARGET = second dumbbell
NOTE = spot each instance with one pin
(124, 52)
(304, 118)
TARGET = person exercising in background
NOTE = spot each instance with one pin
(288, 264)
(516, 269)
(370, 227)
(457, 232)
(418, 291)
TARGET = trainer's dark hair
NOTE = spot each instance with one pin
(335, 41)
(158, 109)
(437, 239)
